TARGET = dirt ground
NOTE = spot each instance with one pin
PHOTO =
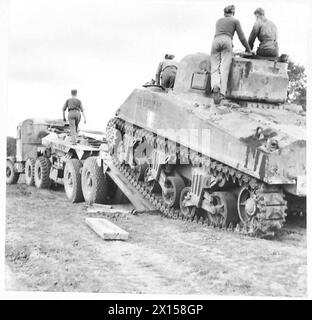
(50, 248)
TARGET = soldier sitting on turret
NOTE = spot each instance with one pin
(166, 71)
(266, 32)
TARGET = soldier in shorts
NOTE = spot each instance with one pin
(75, 109)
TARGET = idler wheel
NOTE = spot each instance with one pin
(246, 205)
(172, 191)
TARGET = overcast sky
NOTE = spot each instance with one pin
(107, 48)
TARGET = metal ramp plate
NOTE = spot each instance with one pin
(134, 196)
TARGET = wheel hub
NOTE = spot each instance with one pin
(89, 180)
(251, 206)
(8, 172)
(70, 180)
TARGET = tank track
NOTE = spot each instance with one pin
(271, 201)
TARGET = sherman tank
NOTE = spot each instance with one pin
(240, 164)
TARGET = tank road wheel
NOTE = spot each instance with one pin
(93, 181)
(184, 196)
(171, 193)
(224, 210)
(30, 171)
(11, 174)
(246, 205)
(72, 180)
(42, 172)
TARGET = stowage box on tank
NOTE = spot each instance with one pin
(258, 80)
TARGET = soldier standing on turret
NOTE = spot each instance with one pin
(74, 107)
(222, 51)
(166, 71)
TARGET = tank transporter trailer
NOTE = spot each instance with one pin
(45, 154)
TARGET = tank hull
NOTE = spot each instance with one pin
(216, 134)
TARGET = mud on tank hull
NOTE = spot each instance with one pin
(225, 165)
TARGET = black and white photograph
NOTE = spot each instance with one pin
(155, 149)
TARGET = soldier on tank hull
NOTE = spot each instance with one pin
(222, 51)
(166, 71)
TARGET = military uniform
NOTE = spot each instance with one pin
(166, 73)
(266, 32)
(222, 51)
(74, 107)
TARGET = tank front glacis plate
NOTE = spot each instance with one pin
(224, 137)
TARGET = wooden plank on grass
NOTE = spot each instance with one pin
(106, 229)
(107, 210)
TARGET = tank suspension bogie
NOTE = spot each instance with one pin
(151, 183)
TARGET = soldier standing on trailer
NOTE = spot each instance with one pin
(74, 107)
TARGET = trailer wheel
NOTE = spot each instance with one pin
(30, 171)
(94, 183)
(42, 172)
(72, 180)
(11, 174)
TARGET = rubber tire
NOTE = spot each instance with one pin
(97, 192)
(44, 165)
(13, 177)
(30, 172)
(74, 193)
